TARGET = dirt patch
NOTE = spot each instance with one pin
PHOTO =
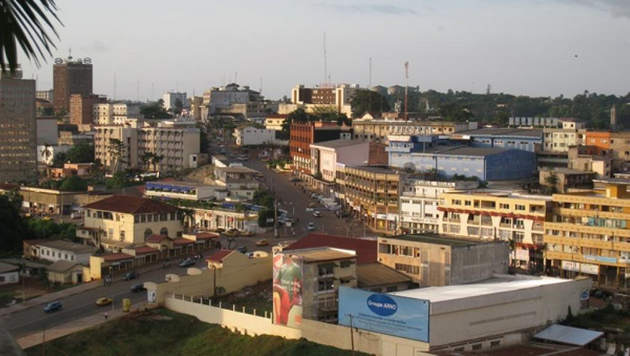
(258, 296)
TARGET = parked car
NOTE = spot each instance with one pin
(263, 242)
(139, 287)
(311, 226)
(247, 233)
(52, 307)
(317, 214)
(187, 262)
(233, 233)
(104, 301)
(241, 249)
(130, 275)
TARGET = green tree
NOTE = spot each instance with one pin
(117, 150)
(118, 181)
(81, 153)
(364, 101)
(74, 184)
(552, 180)
(26, 23)
(13, 228)
(262, 197)
(265, 214)
(155, 110)
(59, 159)
(178, 107)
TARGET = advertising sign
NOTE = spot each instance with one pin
(287, 289)
(384, 313)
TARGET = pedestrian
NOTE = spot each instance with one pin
(105, 316)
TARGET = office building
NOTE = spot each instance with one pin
(171, 98)
(335, 98)
(82, 109)
(303, 135)
(115, 113)
(18, 128)
(379, 130)
(70, 77)
(326, 155)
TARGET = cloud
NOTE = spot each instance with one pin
(368, 8)
(616, 8)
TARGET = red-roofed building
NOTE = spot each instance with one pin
(366, 249)
(123, 221)
(217, 258)
(143, 254)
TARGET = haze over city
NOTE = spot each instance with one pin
(538, 48)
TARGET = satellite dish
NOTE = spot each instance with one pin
(58, 60)
(87, 60)
(79, 60)
(409, 167)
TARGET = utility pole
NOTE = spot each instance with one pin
(351, 333)
(406, 89)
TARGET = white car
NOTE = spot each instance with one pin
(317, 214)
(311, 226)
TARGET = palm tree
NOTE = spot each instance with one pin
(46, 153)
(117, 150)
(26, 23)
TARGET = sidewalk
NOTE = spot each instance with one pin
(70, 327)
(84, 287)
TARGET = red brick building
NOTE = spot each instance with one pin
(82, 108)
(304, 134)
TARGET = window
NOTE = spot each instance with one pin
(325, 286)
(504, 206)
(346, 264)
(476, 347)
(519, 207)
(407, 268)
(122, 235)
(392, 289)
(385, 248)
(325, 270)
(143, 218)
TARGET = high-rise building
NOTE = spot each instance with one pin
(82, 108)
(18, 129)
(170, 98)
(70, 77)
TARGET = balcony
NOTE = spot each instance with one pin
(587, 229)
(589, 243)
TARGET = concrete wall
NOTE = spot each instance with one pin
(478, 262)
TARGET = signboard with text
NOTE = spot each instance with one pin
(287, 289)
(384, 313)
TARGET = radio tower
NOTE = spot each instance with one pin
(406, 89)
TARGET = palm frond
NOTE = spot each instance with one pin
(26, 23)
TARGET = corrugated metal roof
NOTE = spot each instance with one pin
(377, 274)
(568, 335)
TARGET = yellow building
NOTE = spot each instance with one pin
(122, 221)
(498, 215)
(589, 235)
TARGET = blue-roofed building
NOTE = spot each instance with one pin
(481, 162)
(521, 139)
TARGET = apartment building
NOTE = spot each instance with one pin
(336, 97)
(176, 148)
(239, 181)
(434, 260)
(325, 156)
(588, 235)
(82, 109)
(419, 202)
(379, 130)
(275, 121)
(251, 136)
(590, 159)
(498, 215)
(59, 250)
(372, 192)
(18, 128)
(560, 139)
(122, 221)
(566, 179)
(115, 113)
(170, 99)
(303, 135)
(620, 147)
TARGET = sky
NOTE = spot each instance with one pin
(522, 47)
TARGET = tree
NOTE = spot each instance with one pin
(59, 160)
(265, 214)
(145, 157)
(46, 152)
(118, 181)
(262, 197)
(81, 153)
(178, 107)
(74, 184)
(155, 110)
(552, 180)
(364, 101)
(155, 161)
(13, 228)
(26, 23)
(117, 150)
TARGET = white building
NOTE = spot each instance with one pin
(9, 273)
(560, 139)
(251, 136)
(326, 155)
(56, 250)
(275, 122)
(419, 202)
(170, 98)
(185, 191)
(115, 113)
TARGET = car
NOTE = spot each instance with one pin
(52, 307)
(312, 205)
(139, 287)
(233, 233)
(130, 275)
(187, 262)
(104, 301)
(311, 226)
(247, 233)
(241, 249)
(263, 242)
(315, 196)
(317, 214)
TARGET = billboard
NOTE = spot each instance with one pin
(384, 313)
(287, 289)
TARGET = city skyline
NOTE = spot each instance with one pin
(518, 47)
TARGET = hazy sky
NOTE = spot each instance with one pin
(517, 46)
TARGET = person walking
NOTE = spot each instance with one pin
(105, 316)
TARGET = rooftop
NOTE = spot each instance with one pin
(127, 204)
(219, 255)
(321, 254)
(500, 283)
(6, 267)
(436, 239)
(117, 257)
(563, 170)
(61, 266)
(364, 248)
(338, 143)
(377, 274)
(496, 131)
(156, 238)
(67, 246)
(375, 169)
(237, 170)
(470, 151)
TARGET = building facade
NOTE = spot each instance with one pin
(560, 139)
(251, 136)
(326, 155)
(18, 129)
(303, 135)
(310, 99)
(588, 235)
(82, 108)
(275, 121)
(115, 113)
(520, 139)
(500, 216)
(59, 250)
(379, 130)
(70, 77)
(170, 98)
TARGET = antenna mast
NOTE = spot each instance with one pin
(406, 89)
(114, 86)
(325, 62)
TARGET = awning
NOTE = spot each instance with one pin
(568, 335)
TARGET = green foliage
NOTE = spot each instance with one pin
(364, 101)
(117, 181)
(81, 153)
(204, 142)
(48, 229)
(13, 228)
(264, 198)
(265, 214)
(165, 333)
(59, 159)
(73, 184)
(178, 107)
(155, 110)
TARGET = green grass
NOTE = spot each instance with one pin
(165, 333)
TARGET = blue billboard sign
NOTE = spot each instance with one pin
(384, 313)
